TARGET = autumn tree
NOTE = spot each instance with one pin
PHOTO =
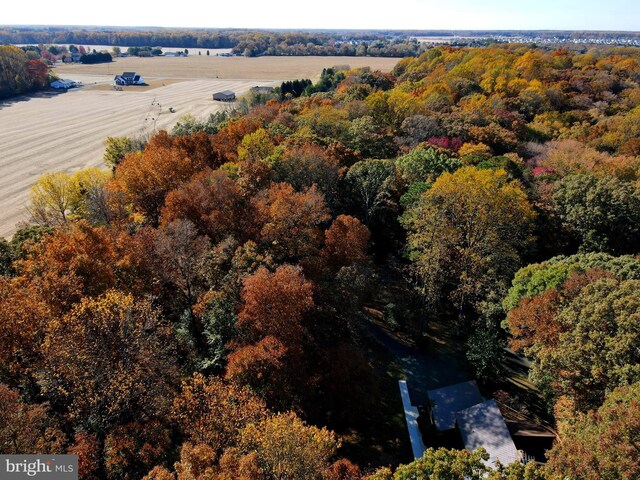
(180, 251)
(466, 235)
(214, 204)
(57, 198)
(131, 450)
(50, 199)
(85, 261)
(116, 148)
(291, 220)
(18, 73)
(342, 469)
(534, 323)
(27, 428)
(345, 242)
(288, 448)
(110, 359)
(305, 165)
(596, 353)
(88, 448)
(273, 304)
(268, 351)
(146, 177)
(567, 157)
(537, 278)
(197, 462)
(212, 412)
(24, 316)
(268, 368)
(601, 443)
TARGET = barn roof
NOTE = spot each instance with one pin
(483, 426)
(446, 401)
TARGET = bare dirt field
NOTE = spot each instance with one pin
(66, 131)
(201, 66)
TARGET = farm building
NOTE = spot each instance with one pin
(63, 83)
(446, 401)
(224, 96)
(483, 426)
(128, 78)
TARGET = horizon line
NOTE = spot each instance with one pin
(325, 29)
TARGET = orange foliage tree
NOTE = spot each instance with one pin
(291, 220)
(212, 412)
(24, 316)
(108, 360)
(131, 450)
(27, 428)
(345, 242)
(146, 177)
(86, 261)
(273, 304)
(214, 204)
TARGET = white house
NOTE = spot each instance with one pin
(128, 78)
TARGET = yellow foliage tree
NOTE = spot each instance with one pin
(110, 359)
(466, 234)
(56, 198)
(212, 412)
(287, 448)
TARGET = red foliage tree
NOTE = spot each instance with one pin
(87, 447)
(345, 242)
(273, 304)
(291, 220)
(214, 204)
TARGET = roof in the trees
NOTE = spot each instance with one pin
(483, 426)
(446, 401)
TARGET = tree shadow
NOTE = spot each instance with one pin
(8, 102)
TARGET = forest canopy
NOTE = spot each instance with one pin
(211, 287)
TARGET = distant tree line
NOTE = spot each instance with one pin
(329, 80)
(144, 51)
(96, 57)
(243, 42)
(20, 72)
(285, 44)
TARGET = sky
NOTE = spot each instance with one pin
(337, 14)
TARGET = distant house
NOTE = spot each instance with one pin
(483, 426)
(128, 78)
(63, 84)
(224, 96)
(446, 401)
(169, 54)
